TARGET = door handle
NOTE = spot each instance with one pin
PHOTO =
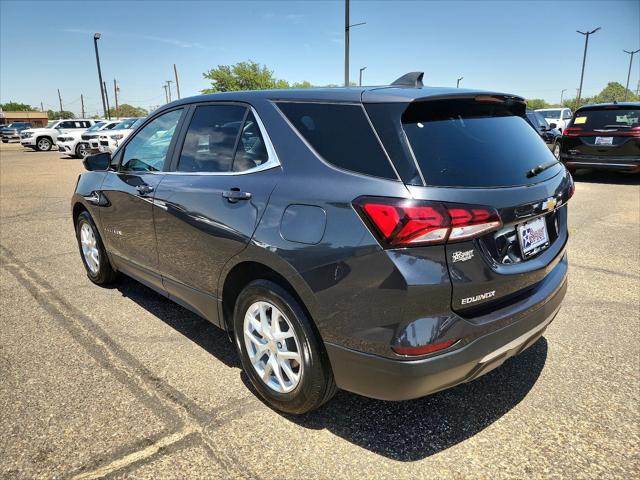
(235, 195)
(144, 189)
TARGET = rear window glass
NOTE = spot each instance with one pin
(472, 144)
(341, 135)
(610, 119)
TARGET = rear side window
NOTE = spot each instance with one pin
(341, 135)
(465, 143)
(608, 118)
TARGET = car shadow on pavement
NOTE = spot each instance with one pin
(412, 430)
(615, 178)
(197, 329)
(404, 431)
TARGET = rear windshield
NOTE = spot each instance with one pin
(466, 143)
(341, 135)
(607, 118)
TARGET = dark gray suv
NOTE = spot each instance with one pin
(387, 240)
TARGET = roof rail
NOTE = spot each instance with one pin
(411, 79)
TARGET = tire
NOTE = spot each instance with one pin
(556, 150)
(81, 150)
(43, 144)
(315, 384)
(5, 141)
(101, 273)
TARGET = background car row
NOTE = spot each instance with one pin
(77, 137)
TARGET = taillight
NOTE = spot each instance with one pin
(572, 131)
(398, 222)
(572, 186)
(424, 349)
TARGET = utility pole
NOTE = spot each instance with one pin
(106, 97)
(361, 70)
(116, 89)
(637, 89)
(584, 60)
(347, 27)
(60, 98)
(169, 82)
(562, 96)
(82, 104)
(175, 72)
(96, 37)
(41, 107)
(458, 82)
(626, 90)
(166, 95)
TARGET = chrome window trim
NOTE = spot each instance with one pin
(273, 160)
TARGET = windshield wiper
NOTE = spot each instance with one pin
(541, 168)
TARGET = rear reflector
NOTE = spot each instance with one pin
(399, 222)
(424, 349)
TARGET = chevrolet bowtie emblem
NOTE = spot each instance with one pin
(549, 204)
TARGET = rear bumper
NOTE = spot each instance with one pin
(389, 379)
(619, 164)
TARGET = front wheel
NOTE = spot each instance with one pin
(43, 144)
(94, 256)
(82, 150)
(279, 349)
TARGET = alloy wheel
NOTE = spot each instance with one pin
(90, 248)
(44, 144)
(272, 347)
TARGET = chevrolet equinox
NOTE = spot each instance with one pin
(382, 240)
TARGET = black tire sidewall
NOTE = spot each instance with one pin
(78, 152)
(105, 272)
(309, 393)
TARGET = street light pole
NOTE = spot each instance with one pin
(169, 82)
(347, 27)
(584, 59)
(96, 37)
(458, 82)
(106, 97)
(562, 96)
(360, 80)
(175, 71)
(166, 95)
(629, 74)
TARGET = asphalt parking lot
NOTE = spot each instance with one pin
(120, 382)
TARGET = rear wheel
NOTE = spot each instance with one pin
(43, 144)
(279, 349)
(556, 150)
(94, 256)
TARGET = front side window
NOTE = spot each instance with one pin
(342, 136)
(147, 150)
(210, 142)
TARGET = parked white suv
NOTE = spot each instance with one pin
(109, 141)
(559, 116)
(42, 139)
(75, 143)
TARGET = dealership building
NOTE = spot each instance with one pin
(37, 119)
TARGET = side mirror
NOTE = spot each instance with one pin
(553, 125)
(98, 162)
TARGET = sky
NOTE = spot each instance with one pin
(528, 48)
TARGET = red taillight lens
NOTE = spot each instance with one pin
(399, 222)
(572, 131)
(424, 349)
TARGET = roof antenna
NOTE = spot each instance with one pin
(411, 79)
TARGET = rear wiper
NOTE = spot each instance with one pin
(541, 168)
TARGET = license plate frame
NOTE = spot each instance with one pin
(533, 236)
(606, 141)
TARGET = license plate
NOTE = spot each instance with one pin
(533, 236)
(604, 140)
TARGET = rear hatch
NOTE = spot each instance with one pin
(608, 132)
(499, 189)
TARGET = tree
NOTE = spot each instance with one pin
(247, 75)
(613, 92)
(536, 103)
(64, 114)
(16, 107)
(126, 110)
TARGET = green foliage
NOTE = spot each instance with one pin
(613, 92)
(536, 103)
(247, 75)
(16, 107)
(126, 110)
(64, 114)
